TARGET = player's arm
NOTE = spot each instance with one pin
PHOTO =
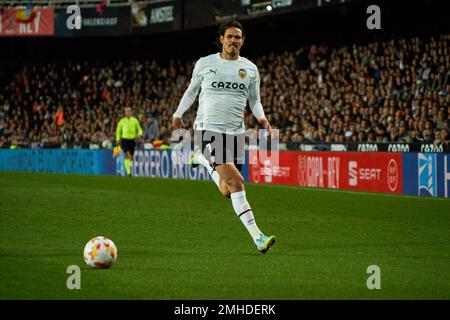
(118, 131)
(188, 97)
(254, 100)
(139, 132)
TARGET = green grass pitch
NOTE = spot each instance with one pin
(180, 239)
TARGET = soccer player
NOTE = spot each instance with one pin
(227, 81)
(128, 129)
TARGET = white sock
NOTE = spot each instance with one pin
(245, 213)
(212, 172)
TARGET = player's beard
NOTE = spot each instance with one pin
(233, 53)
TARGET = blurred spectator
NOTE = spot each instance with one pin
(59, 117)
(151, 129)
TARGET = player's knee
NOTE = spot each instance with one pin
(235, 183)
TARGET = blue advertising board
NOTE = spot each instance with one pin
(58, 161)
(161, 164)
(165, 164)
(426, 174)
(147, 163)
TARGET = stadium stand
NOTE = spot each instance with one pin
(390, 91)
(362, 88)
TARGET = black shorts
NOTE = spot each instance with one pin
(220, 148)
(128, 145)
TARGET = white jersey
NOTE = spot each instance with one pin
(226, 85)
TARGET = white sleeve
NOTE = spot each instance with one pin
(254, 98)
(191, 92)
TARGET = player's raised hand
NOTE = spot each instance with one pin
(177, 123)
(266, 124)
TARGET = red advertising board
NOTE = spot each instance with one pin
(23, 22)
(377, 171)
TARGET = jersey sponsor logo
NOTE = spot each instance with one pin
(228, 85)
(242, 73)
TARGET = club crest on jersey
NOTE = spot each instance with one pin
(242, 73)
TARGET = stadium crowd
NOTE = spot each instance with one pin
(392, 91)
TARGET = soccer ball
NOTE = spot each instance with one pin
(100, 252)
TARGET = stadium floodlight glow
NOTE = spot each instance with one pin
(269, 8)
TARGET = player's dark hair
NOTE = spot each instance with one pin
(231, 24)
(227, 25)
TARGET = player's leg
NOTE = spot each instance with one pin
(132, 146)
(124, 145)
(128, 158)
(223, 187)
(235, 184)
(202, 156)
(128, 146)
(199, 159)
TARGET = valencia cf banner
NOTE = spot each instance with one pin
(100, 21)
(27, 22)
